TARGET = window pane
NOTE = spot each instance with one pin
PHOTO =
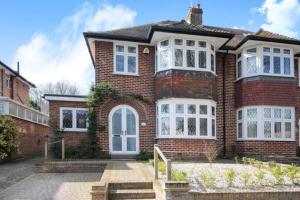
(240, 130)
(213, 127)
(67, 119)
(277, 129)
(191, 109)
(81, 118)
(202, 44)
(191, 126)
(165, 108)
(179, 108)
(286, 51)
(130, 122)
(212, 60)
(190, 43)
(164, 43)
(277, 113)
(120, 48)
(178, 57)
(164, 58)
(202, 59)
(267, 113)
(190, 58)
(287, 114)
(276, 50)
(120, 63)
(213, 111)
(276, 61)
(288, 129)
(251, 65)
(267, 64)
(267, 129)
(212, 47)
(267, 50)
(179, 125)
(131, 50)
(178, 42)
(252, 113)
(203, 109)
(131, 64)
(253, 50)
(131, 144)
(165, 126)
(252, 129)
(239, 72)
(287, 66)
(117, 122)
(203, 126)
(240, 115)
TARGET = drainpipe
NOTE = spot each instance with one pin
(224, 99)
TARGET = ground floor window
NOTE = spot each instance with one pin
(186, 118)
(266, 123)
(73, 119)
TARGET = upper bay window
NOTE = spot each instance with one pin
(186, 118)
(73, 119)
(265, 60)
(125, 59)
(186, 54)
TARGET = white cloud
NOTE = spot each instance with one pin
(251, 22)
(63, 55)
(281, 16)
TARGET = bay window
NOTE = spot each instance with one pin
(265, 60)
(73, 119)
(186, 118)
(125, 59)
(185, 54)
(266, 123)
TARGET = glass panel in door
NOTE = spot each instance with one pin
(130, 130)
(117, 130)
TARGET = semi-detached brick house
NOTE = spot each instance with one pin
(217, 87)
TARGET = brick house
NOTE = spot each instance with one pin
(224, 88)
(14, 101)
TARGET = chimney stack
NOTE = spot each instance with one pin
(194, 15)
(18, 67)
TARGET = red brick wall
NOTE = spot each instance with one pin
(71, 138)
(31, 137)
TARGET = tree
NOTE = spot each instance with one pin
(8, 137)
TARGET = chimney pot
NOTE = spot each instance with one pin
(194, 15)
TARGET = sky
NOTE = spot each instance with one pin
(46, 36)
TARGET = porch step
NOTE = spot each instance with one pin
(131, 194)
(131, 185)
(123, 157)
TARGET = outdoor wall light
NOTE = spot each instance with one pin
(146, 51)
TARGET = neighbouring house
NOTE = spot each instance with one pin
(229, 89)
(14, 101)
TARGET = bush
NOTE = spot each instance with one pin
(211, 153)
(144, 155)
(162, 167)
(151, 162)
(260, 175)
(278, 174)
(230, 176)
(292, 171)
(272, 164)
(237, 160)
(246, 176)
(207, 178)
(8, 137)
(178, 175)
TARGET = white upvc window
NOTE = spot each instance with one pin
(185, 54)
(186, 118)
(265, 60)
(125, 59)
(8, 81)
(266, 123)
(73, 119)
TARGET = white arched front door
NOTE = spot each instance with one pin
(123, 130)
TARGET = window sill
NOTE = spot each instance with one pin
(186, 69)
(266, 75)
(75, 130)
(188, 138)
(125, 74)
(266, 140)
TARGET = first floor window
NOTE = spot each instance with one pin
(125, 59)
(186, 118)
(266, 123)
(73, 119)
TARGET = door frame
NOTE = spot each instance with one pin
(124, 106)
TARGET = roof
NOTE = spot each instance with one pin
(17, 74)
(237, 37)
(61, 97)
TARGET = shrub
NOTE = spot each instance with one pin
(260, 175)
(207, 178)
(230, 176)
(162, 167)
(237, 160)
(245, 160)
(211, 153)
(272, 164)
(278, 174)
(292, 171)
(178, 175)
(8, 137)
(246, 176)
(144, 155)
(151, 162)
(258, 164)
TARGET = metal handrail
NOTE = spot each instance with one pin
(62, 148)
(158, 152)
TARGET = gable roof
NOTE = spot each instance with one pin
(17, 74)
(237, 37)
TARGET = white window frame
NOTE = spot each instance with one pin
(74, 121)
(259, 60)
(126, 54)
(7, 81)
(260, 123)
(171, 52)
(172, 117)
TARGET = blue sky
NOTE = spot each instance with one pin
(46, 36)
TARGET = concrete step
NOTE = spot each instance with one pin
(130, 185)
(131, 194)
